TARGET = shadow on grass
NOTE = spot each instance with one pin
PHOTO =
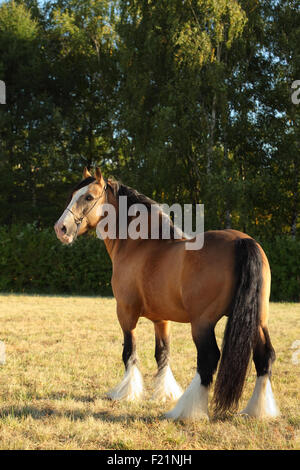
(110, 415)
(40, 413)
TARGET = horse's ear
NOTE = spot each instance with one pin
(86, 173)
(98, 175)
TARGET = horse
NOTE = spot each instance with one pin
(163, 281)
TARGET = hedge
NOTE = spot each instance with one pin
(284, 258)
(34, 261)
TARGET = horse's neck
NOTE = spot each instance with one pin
(110, 247)
(158, 221)
(112, 244)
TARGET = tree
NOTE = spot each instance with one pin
(59, 67)
(173, 60)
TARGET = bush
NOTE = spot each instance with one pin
(284, 258)
(34, 261)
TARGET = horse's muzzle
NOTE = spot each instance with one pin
(61, 233)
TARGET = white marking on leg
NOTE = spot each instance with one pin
(262, 402)
(131, 387)
(166, 386)
(193, 404)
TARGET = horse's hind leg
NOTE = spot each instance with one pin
(262, 403)
(193, 404)
(165, 386)
(131, 386)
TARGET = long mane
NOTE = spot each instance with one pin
(134, 197)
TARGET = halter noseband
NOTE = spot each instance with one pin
(78, 220)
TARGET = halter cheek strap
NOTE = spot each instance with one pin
(78, 220)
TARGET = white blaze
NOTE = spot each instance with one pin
(67, 216)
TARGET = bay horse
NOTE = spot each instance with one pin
(161, 280)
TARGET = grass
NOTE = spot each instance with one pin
(64, 353)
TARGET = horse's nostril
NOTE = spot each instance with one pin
(63, 229)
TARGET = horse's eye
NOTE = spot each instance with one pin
(89, 198)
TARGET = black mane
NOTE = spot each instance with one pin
(84, 182)
(133, 197)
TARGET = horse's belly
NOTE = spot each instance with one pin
(171, 315)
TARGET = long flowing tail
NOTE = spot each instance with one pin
(242, 326)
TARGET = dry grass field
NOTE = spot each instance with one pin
(64, 353)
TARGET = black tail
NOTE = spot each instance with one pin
(242, 326)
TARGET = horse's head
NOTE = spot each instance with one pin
(82, 212)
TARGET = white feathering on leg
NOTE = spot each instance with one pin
(130, 388)
(193, 404)
(166, 386)
(262, 403)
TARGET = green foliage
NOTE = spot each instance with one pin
(33, 260)
(284, 258)
(17, 21)
(59, 71)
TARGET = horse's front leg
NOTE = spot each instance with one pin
(131, 386)
(165, 386)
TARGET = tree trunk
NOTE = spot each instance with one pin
(295, 209)
(227, 205)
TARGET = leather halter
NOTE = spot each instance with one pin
(78, 220)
